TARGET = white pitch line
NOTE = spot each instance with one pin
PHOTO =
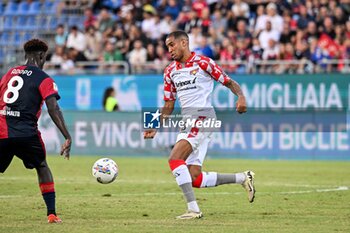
(292, 185)
(340, 188)
(9, 196)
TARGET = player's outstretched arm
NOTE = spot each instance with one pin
(57, 117)
(241, 105)
(166, 111)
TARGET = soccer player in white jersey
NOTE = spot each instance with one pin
(190, 79)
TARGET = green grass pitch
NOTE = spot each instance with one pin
(292, 196)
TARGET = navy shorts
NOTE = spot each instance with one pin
(31, 150)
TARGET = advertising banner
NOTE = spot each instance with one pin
(81, 92)
(120, 133)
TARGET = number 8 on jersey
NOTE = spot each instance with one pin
(13, 87)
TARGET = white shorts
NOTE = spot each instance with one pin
(199, 145)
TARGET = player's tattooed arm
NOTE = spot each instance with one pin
(234, 87)
(241, 105)
(57, 117)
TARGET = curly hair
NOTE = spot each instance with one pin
(35, 45)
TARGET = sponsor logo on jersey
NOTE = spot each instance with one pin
(183, 83)
(55, 87)
(194, 72)
(173, 74)
(8, 112)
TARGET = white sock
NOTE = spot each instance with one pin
(193, 206)
(240, 178)
(182, 175)
(209, 179)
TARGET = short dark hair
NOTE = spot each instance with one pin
(178, 34)
(74, 27)
(35, 45)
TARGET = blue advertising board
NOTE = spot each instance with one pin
(85, 92)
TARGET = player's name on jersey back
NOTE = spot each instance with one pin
(24, 72)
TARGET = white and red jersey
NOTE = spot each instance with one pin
(192, 82)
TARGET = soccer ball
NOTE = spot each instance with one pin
(105, 170)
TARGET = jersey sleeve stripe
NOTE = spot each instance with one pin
(213, 69)
(169, 87)
(48, 87)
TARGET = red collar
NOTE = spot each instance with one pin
(178, 64)
(190, 58)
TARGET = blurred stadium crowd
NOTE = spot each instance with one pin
(281, 36)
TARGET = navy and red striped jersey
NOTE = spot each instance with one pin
(23, 90)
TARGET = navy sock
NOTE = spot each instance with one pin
(50, 199)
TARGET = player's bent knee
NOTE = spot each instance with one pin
(43, 164)
(195, 170)
(195, 175)
(197, 180)
(175, 163)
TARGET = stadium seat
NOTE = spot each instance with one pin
(1, 56)
(46, 6)
(20, 22)
(8, 22)
(52, 23)
(17, 39)
(34, 8)
(62, 20)
(11, 8)
(22, 8)
(5, 38)
(42, 23)
(27, 36)
(112, 4)
(76, 20)
(31, 23)
(1, 8)
(50, 7)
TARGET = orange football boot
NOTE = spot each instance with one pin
(53, 219)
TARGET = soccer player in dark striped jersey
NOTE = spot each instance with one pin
(23, 91)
